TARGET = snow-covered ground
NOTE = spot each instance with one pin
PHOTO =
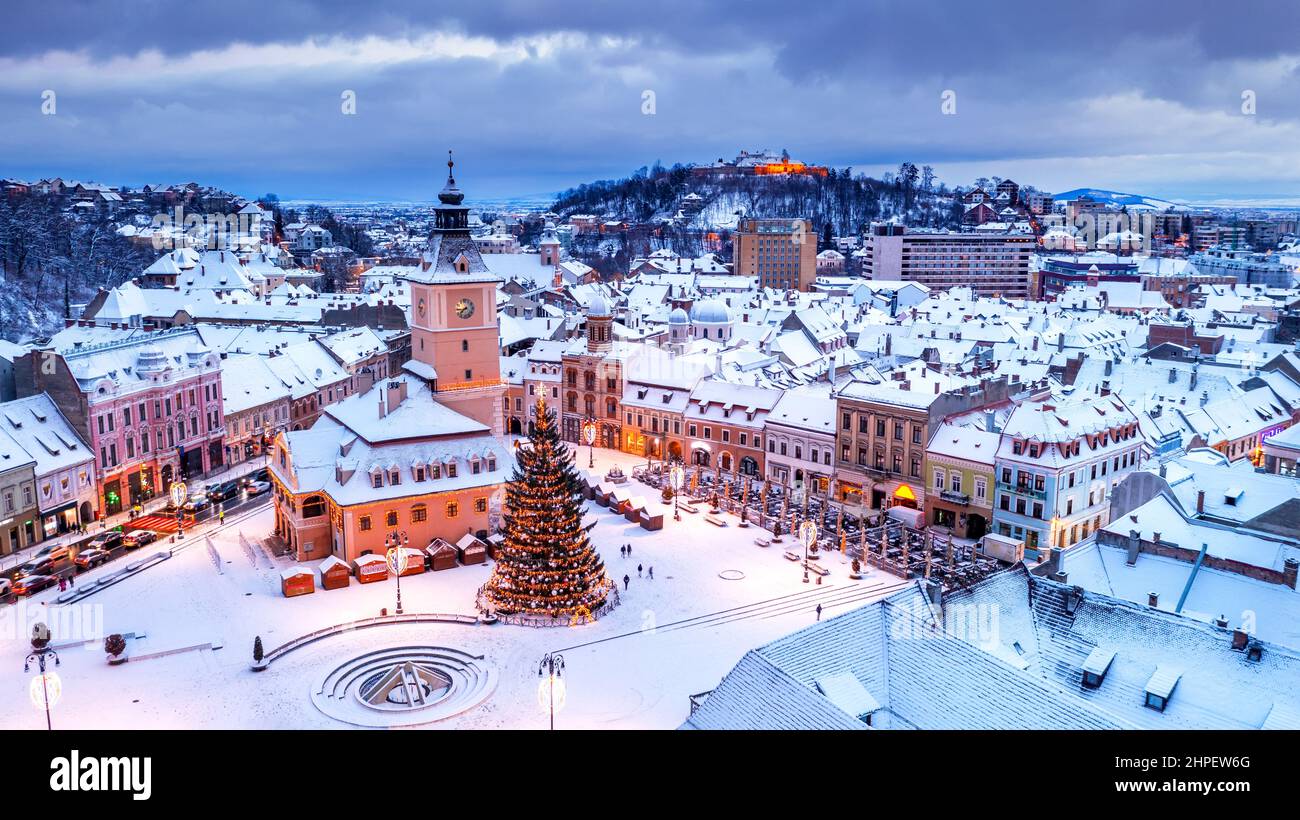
(670, 638)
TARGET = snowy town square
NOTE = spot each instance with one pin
(890, 398)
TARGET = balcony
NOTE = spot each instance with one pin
(1023, 489)
(954, 497)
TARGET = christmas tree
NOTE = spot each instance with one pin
(546, 567)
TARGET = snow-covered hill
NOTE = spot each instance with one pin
(1118, 198)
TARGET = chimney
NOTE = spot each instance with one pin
(1289, 571)
(1105, 385)
(1110, 363)
(1192, 384)
(1221, 622)
(382, 410)
(936, 388)
(1134, 547)
(1035, 343)
(990, 421)
(396, 393)
(1164, 469)
(1153, 600)
(1173, 375)
(1200, 502)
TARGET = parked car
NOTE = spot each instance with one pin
(90, 557)
(138, 538)
(30, 584)
(53, 551)
(253, 488)
(110, 540)
(37, 566)
(224, 491)
(6, 586)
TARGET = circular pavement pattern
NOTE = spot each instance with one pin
(731, 575)
(404, 686)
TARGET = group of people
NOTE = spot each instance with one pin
(626, 552)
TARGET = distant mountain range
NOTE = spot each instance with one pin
(1118, 198)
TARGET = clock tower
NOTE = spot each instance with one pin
(454, 339)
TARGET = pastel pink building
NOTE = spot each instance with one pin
(149, 403)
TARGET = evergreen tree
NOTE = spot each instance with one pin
(546, 566)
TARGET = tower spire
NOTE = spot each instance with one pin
(451, 164)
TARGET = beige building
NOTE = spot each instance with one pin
(781, 253)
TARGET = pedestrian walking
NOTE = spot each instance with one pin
(638, 570)
(622, 551)
(72, 581)
(63, 583)
(819, 612)
(626, 581)
(221, 517)
(652, 572)
(629, 550)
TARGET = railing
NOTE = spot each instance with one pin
(954, 497)
(1023, 489)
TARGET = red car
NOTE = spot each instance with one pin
(31, 584)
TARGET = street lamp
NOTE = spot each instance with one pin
(41, 650)
(678, 475)
(589, 433)
(551, 671)
(396, 542)
(808, 535)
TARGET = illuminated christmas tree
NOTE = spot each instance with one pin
(546, 567)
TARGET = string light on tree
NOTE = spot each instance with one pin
(546, 566)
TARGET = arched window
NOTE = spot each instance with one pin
(313, 506)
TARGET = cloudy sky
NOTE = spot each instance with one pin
(537, 96)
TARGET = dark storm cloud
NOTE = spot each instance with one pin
(542, 95)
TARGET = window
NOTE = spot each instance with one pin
(956, 482)
(480, 505)
(377, 480)
(435, 471)
(464, 345)
(453, 509)
(395, 477)
(451, 470)
(390, 518)
(419, 474)
(313, 506)
(981, 489)
(364, 523)
(938, 479)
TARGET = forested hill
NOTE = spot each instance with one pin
(847, 201)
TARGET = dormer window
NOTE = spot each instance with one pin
(395, 477)
(492, 464)
(376, 480)
(451, 470)
(435, 471)
(419, 474)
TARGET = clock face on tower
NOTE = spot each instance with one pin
(464, 308)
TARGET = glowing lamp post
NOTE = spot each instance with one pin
(808, 535)
(551, 687)
(46, 688)
(678, 476)
(589, 433)
(396, 543)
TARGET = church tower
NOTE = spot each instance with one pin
(454, 338)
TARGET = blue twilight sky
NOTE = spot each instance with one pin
(536, 96)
